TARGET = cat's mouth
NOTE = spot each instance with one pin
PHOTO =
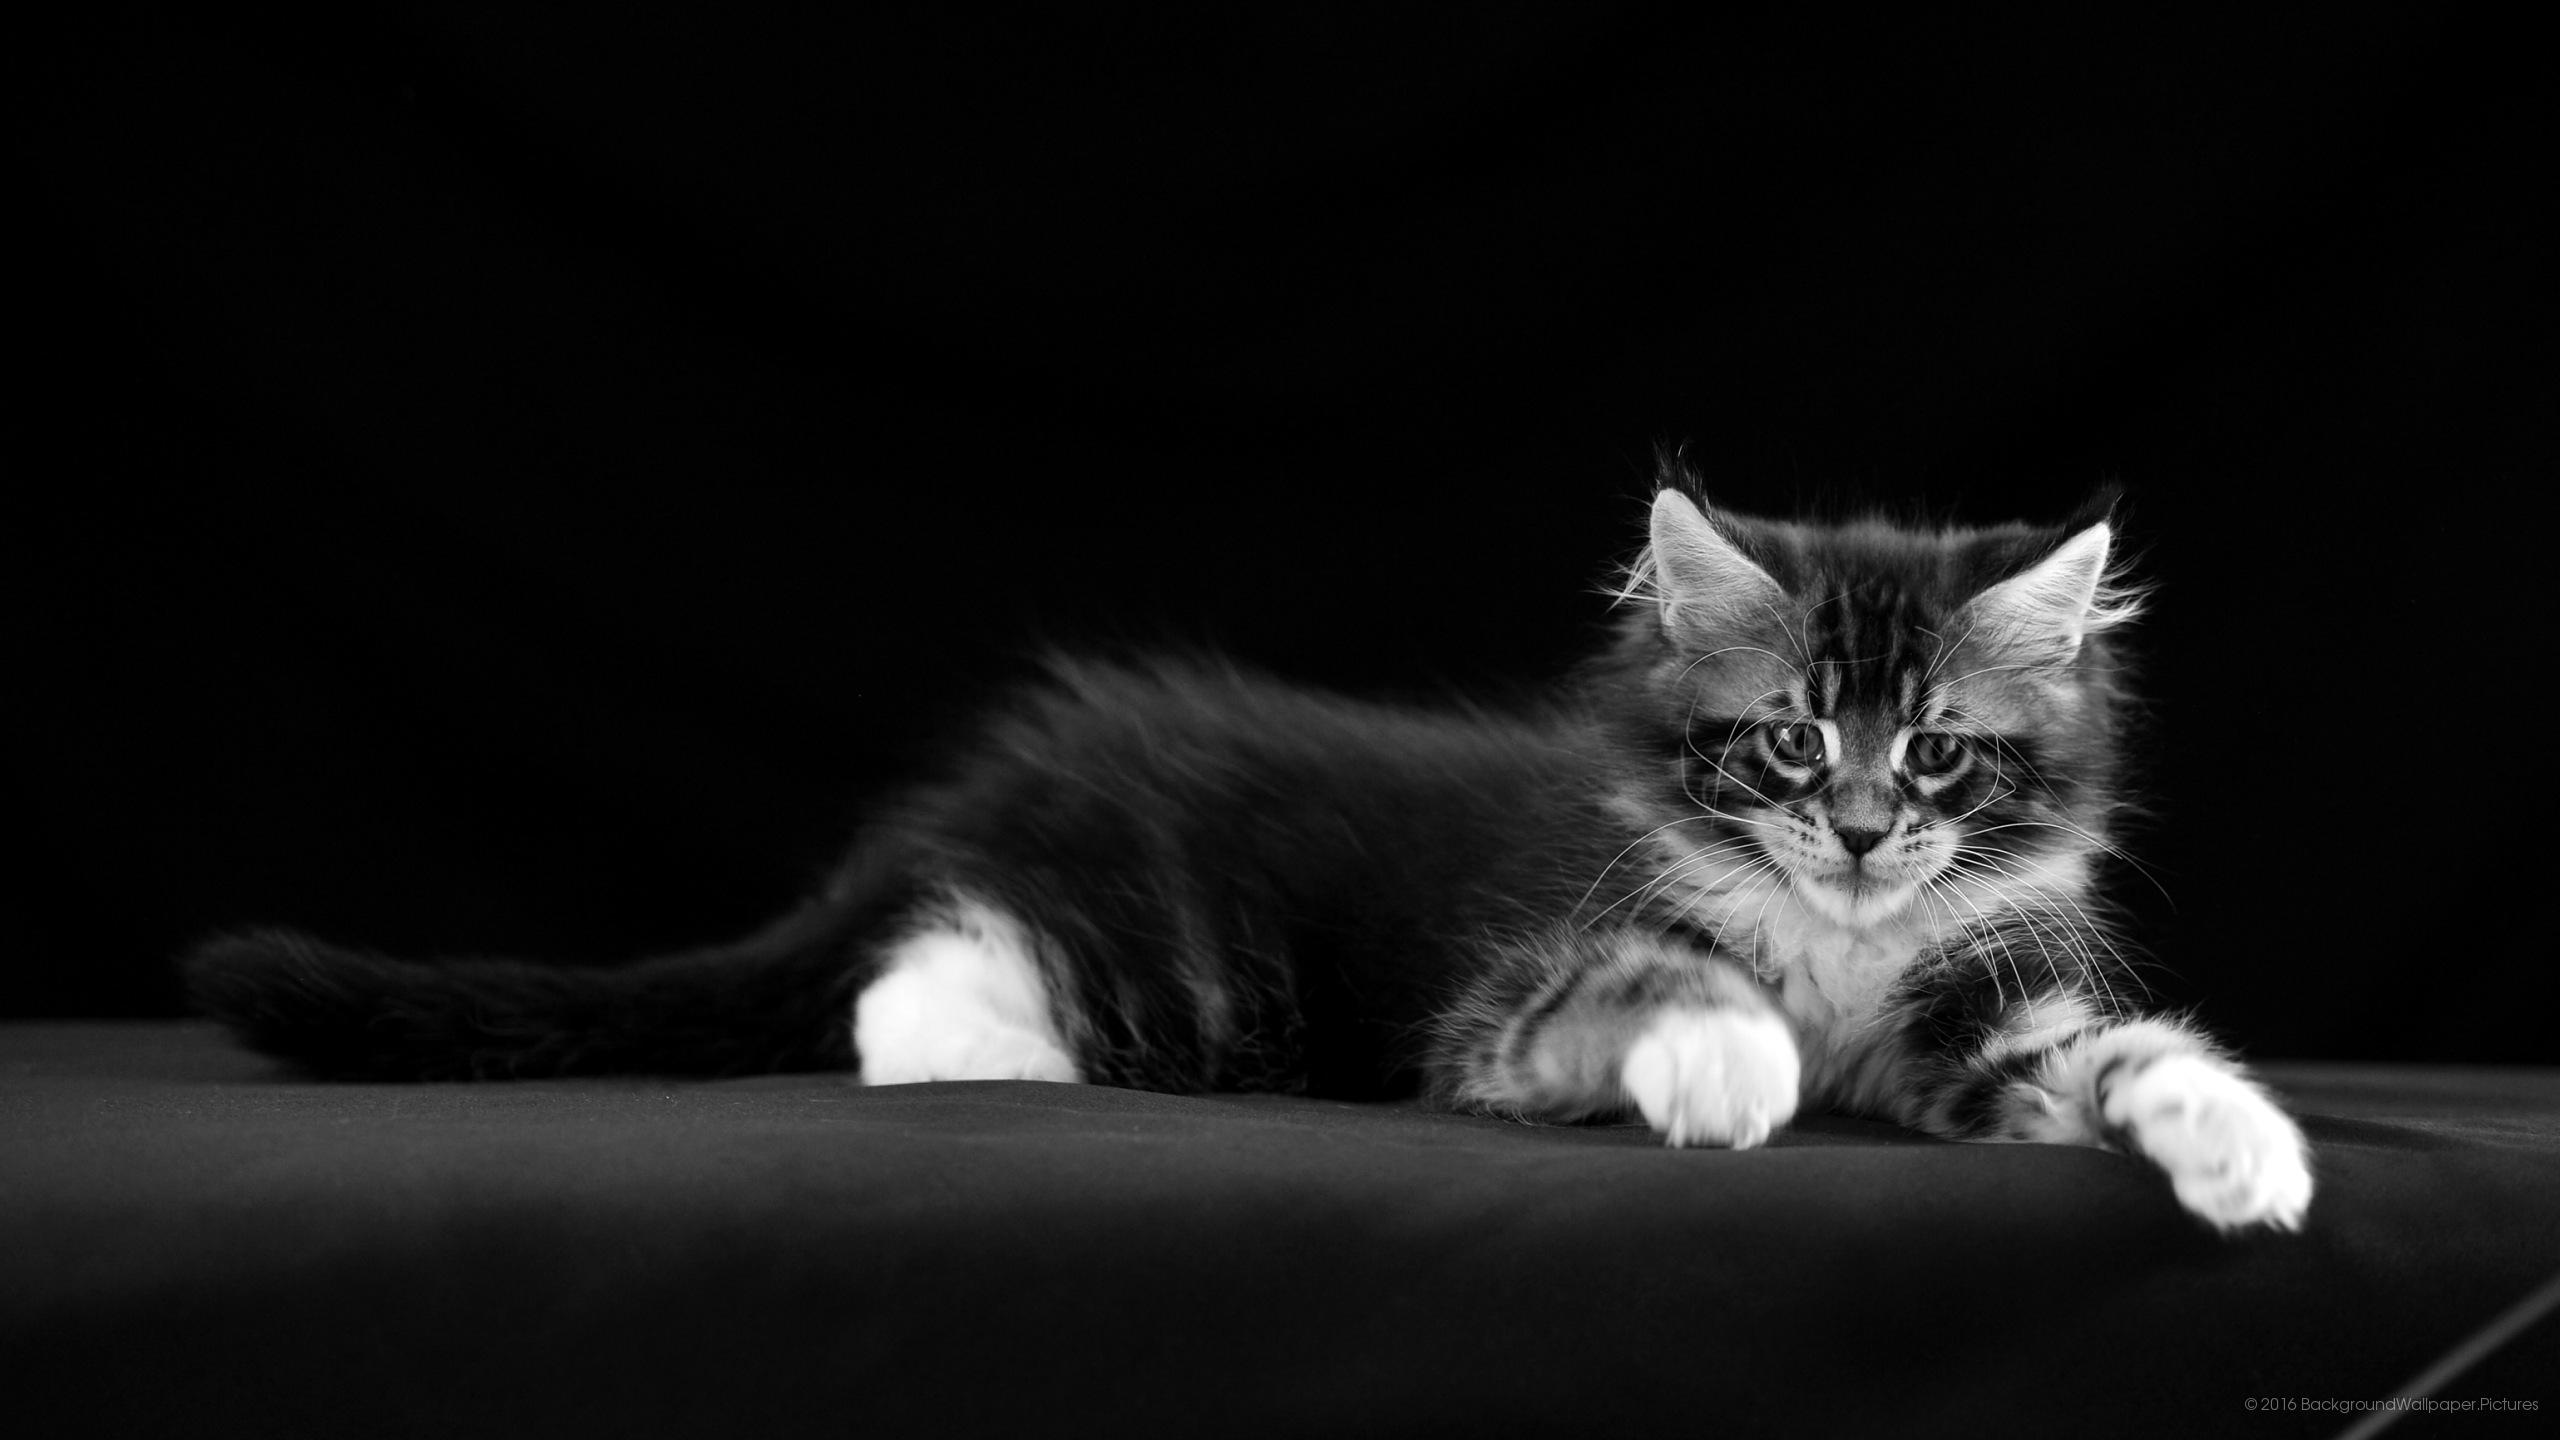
(1855, 896)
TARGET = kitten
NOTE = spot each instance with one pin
(1821, 827)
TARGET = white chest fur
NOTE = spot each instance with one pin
(1830, 976)
(1830, 972)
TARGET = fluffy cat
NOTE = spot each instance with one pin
(1820, 828)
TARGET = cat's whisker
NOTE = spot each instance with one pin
(1733, 734)
(1804, 650)
(1730, 650)
(1781, 886)
(2112, 850)
(1640, 841)
(1990, 934)
(1736, 881)
(2074, 937)
(1679, 874)
(1945, 649)
(2088, 929)
(1997, 795)
(1975, 939)
(1740, 784)
(1665, 878)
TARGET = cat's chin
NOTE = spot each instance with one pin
(1854, 902)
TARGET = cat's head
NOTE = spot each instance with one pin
(1887, 722)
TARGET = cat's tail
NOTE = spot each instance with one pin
(781, 999)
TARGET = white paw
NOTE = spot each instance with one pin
(1713, 1077)
(2233, 1157)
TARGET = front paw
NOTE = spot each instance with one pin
(1713, 1077)
(2232, 1156)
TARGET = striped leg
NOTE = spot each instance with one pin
(2153, 1087)
(1602, 1023)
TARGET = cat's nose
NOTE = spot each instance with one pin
(1858, 839)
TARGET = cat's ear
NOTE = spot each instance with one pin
(1700, 580)
(2042, 614)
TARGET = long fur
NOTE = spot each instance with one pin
(775, 1001)
(1710, 879)
(1241, 884)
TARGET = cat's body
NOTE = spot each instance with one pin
(1818, 831)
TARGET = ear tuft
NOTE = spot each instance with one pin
(2044, 613)
(1698, 578)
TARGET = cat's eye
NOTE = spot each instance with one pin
(1932, 752)
(1798, 742)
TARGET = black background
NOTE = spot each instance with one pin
(503, 484)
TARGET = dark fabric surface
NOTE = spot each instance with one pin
(196, 1244)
